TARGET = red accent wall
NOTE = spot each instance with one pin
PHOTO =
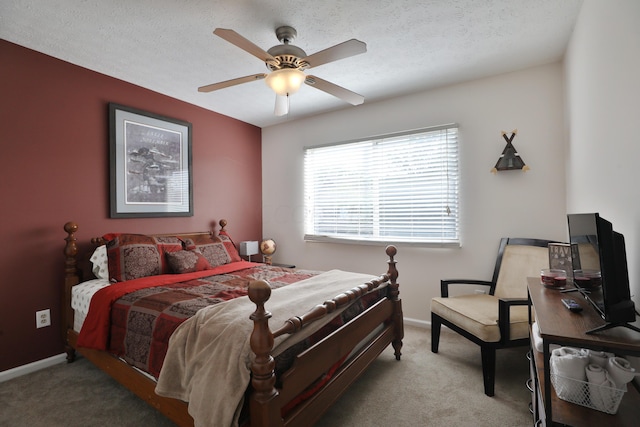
(54, 139)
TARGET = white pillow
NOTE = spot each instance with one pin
(100, 263)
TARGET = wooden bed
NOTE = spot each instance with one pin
(363, 338)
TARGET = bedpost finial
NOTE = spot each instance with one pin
(70, 249)
(391, 251)
(259, 291)
(71, 227)
(223, 224)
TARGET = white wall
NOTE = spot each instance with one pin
(511, 203)
(602, 68)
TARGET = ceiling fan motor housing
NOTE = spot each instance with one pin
(288, 55)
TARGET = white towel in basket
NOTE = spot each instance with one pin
(602, 391)
(600, 358)
(568, 364)
(537, 339)
(621, 371)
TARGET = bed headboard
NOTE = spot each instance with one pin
(97, 241)
(74, 274)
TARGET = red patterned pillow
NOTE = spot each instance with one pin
(131, 256)
(217, 250)
(187, 261)
(230, 246)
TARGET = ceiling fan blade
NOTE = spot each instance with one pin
(340, 51)
(282, 105)
(335, 90)
(232, 82)
(244, 44)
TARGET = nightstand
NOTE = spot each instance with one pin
(275, 264)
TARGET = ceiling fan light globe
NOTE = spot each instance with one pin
(286, 81)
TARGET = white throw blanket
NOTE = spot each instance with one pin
(207, 363)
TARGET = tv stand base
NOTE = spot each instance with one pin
(613, 325)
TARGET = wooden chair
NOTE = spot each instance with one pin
(499, 318)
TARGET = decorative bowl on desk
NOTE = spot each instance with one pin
(553, 278)
(587, 279)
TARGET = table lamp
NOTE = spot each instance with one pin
(249, 248)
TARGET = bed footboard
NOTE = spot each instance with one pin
(363, 339)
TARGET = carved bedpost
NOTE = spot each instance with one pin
(223, 224)
(263, 411)
(71, 278)
(392, 271)
(394, 295)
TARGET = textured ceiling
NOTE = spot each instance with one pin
(168, 46)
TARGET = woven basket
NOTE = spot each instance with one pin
(598, 397)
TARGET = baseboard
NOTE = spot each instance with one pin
(32, 367)
(415, 322)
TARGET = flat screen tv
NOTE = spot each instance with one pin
(601, 250)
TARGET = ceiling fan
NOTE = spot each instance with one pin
(287, 64)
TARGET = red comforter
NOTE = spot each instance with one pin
(134, 319)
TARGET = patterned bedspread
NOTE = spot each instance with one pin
(143, 321)
(209, 356)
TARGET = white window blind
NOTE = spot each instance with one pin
(395, 188)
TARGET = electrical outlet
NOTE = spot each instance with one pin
(43, 318)
(480, 291)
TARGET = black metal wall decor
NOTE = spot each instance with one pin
(509, 159)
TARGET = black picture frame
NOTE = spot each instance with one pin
(150, 164)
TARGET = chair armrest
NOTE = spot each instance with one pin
(504, 315)
(444, 284)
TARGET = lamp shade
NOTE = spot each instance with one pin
(285, 81)
(249, 248)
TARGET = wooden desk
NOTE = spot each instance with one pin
(560, 326)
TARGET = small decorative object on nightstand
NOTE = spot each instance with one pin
(249, 248)
(268, 248)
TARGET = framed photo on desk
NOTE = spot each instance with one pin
(564, 256)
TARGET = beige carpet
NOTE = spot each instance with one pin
(423, 389)
(444, 389)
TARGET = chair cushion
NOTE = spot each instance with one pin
(478, 315)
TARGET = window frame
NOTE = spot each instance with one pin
(451, 195)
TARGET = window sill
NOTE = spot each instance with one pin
(371, 242)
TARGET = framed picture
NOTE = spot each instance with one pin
(564, 256)
(150, 164)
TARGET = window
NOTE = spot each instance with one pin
(400, 188)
